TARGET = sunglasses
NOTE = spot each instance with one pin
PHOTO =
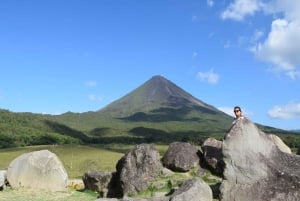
(235, 111)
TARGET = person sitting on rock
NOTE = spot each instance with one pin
(238, 114)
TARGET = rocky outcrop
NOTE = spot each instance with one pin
(298, 152)
(191, 190)
(212, 155)
(256, 169)
(279, 143)
(138, 168)
(181, 157)
(38, 170)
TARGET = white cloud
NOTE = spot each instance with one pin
(208, 76)
(93, 97)
(210, 3)
(239, 9)
(91, 83)
(282, 47)
(288, 111)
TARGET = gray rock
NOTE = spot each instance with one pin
(280, 144)
(146, 199)
(255, 167)
(181, 157)
(166, 172)
(3, 174)
(138, 168)
(193, 190)
(38, 170)
(212, 154)
(99, 181)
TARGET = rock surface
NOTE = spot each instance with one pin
(256, 169)
(181, 157)
(138, 168)
(280, 144)
(38, 170)
(212, 154)
(193, 190)
(2, 179)
(99, 181)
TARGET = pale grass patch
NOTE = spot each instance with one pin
(77, 159)
(34, 195)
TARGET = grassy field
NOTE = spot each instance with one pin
(77, 159)
(71, 195)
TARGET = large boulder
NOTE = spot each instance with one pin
(138, 168)
(298, 152)
(99, 181)
(181, 157)
(212, 155)
(280, 144)
(193, 190)
(256, 169)
(2, 179)
(38, 170)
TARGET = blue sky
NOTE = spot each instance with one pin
(80, 55)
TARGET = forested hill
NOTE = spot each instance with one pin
(158, 111)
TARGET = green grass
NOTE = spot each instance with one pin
(77, 159)
(33, 195)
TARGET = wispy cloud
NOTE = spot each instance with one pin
(194, 18)
(91, 83)
(195, 54)
(209, 76)
(227, 44)
(288, 111)
(239, 9)
(210, 3)
(94, 97)
(257, 35)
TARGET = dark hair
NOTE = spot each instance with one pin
(237, 107)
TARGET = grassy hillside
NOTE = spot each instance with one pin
(156, 112)
(23, 129)
(158, 126)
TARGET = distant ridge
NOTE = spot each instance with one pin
(155, 93)
(158, 111)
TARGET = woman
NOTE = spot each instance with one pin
(238, 114)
